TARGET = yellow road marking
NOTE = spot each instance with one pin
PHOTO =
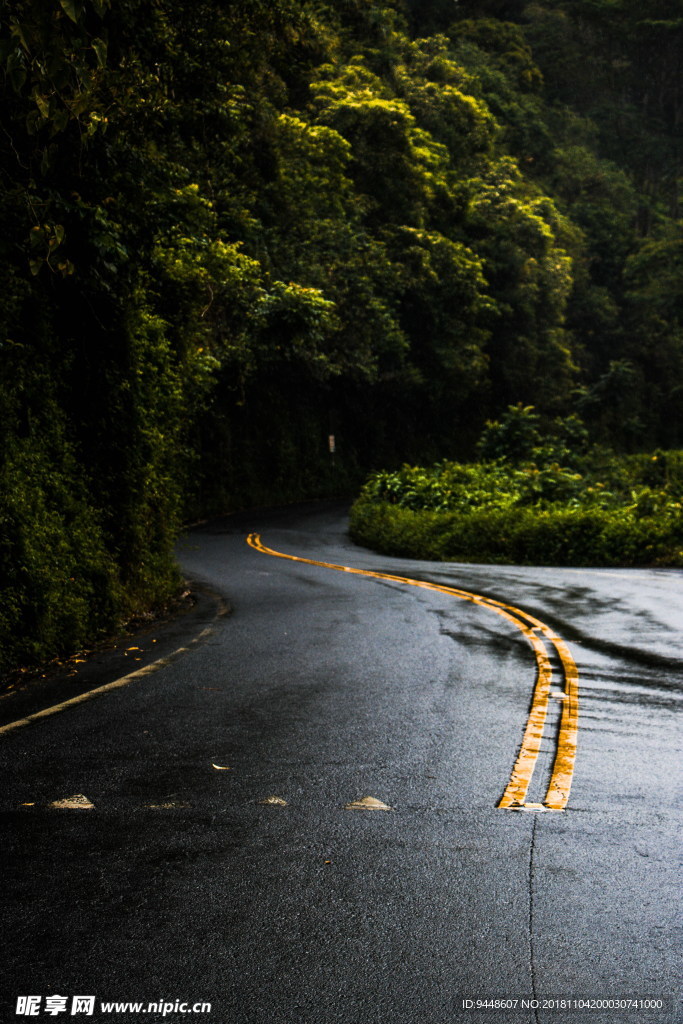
(515, 793)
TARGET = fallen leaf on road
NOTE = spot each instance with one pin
(368, 803)
(275, 801)
(221, 767)
(78, 802)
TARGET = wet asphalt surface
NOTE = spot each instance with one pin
(320, 688)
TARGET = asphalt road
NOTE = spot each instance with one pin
(320, 687)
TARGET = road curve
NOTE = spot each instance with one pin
(514, 797)
(216, 860)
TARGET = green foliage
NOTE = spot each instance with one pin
(539, 498)
(297, 324)
(443, 98)
(230, 230)
(60, 582)
(533, 515)
(513, 438)
(578, 537)
(506, 44)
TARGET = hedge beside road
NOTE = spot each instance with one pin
(488, 513)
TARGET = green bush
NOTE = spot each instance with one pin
(513, 438)
(61, 585)
(529, 515)
(581, 537)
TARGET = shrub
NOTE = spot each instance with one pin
(528, 515)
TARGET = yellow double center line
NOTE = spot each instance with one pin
(541, 638)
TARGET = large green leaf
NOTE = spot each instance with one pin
(71, 9)
(100, 48)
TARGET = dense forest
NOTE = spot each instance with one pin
(232, 229)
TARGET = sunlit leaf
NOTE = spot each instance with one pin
(100, 48)
(70, 9)
(43, 104)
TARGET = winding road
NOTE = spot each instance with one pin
(351, 789)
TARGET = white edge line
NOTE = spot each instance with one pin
(154, 666)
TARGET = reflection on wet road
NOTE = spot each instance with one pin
(560, 729)
(296, 819)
